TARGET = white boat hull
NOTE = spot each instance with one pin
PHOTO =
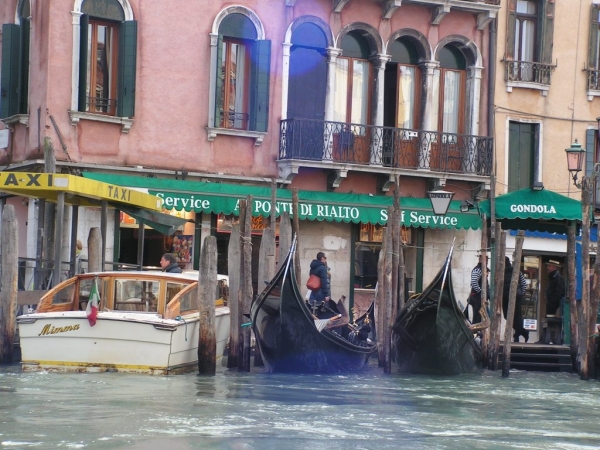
(120, 341)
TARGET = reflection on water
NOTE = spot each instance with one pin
(264, 411)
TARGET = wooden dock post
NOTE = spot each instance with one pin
(285, 236)
(387, 319)
(95, 250)
(9, 283)
(207, 286)
(380, 300)
(247, 290)
(233, 269)
(296, 232)
(512, 297)
(496, 316)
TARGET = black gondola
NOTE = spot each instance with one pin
(292, 339)
(431, 334)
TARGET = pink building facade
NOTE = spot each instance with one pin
(324, 96)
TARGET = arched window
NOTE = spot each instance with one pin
(107, 59)
(308, 73)
(14, 78)
(402, 85)
(450, 80)
(242, 75)
(353, 75)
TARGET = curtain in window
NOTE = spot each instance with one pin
(360, 92)
(237, 114)
(451, 101)
(406, 96)
(341, 89)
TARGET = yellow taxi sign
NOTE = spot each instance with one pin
(79, 191)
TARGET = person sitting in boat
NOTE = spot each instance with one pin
(318, 267)
(169, 263)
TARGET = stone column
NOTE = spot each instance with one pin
(332, 54)
(379, 61)
(429, 122)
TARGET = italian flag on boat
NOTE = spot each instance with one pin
(92, 307)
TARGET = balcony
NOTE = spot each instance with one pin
(386, 150)
(528, 74)
(593, 83)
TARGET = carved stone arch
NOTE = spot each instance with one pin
(466, 46)
(324, 26)
(367, 31)
(420, 42)
(18, 11)
(127, 10)
(260, 30)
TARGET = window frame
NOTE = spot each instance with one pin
(93, 26)
(259, 91)
(126, 53)
(350, 89)
(226, 86)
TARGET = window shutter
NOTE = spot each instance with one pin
(511, 29)
(127, 66)
(547, 32)
(9, 77)
(84, 21)
(24, 66)
(219, 83)
(593, 44)
(590, 145)
(259, 97)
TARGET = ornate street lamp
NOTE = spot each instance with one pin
(575, 157)
(440, 201)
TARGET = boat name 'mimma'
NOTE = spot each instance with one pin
(542, 209)
(49, 329)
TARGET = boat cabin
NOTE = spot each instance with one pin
(169, 295)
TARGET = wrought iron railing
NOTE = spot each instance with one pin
(317, 140)
(593, 79)
(533, 72)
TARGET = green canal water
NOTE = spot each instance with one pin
(256, 410)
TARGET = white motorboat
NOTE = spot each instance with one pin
(145, 322)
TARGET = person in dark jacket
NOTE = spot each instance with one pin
(517, 326)
(318, 267)
(556, 288)
(169, 263)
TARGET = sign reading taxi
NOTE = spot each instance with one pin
(79, 191)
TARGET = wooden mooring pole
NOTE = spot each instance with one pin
(207, 286)
(512, 299)
(496, 317)
(9, 282)
(233, 269)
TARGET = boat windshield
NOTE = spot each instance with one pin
(136, 295)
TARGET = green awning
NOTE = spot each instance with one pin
(224, 198)
(527, 209)
(163, 223)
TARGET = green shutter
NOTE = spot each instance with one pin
(9, 77)
(127, 65)
(84, 22)
(522, 143)
(259, 85)
(547, 32)
(24, 66)
(219, 83)
(511, 29)
(590, 146)
(593, 44)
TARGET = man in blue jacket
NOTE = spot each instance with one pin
(318, 267)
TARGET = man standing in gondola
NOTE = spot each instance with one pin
(475, 296)
(318, 267)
